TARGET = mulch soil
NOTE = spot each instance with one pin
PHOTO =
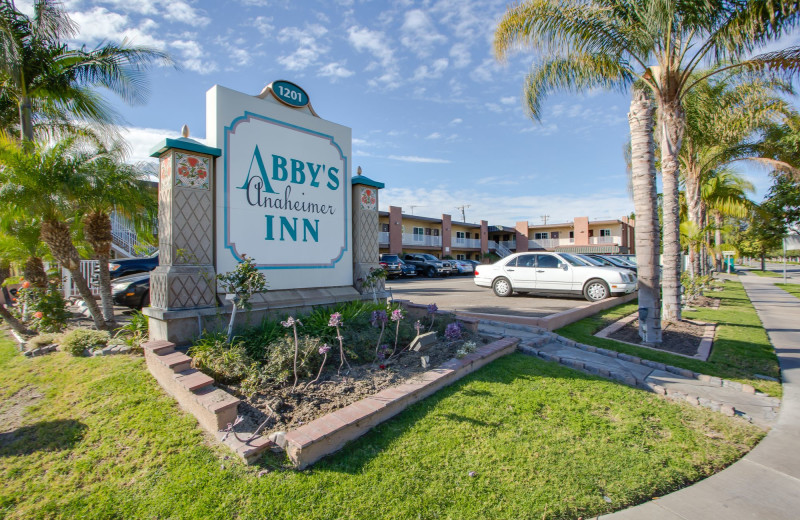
(289, 408)
(681, 337)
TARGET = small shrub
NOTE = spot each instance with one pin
(44, 309)
(77, 341)
(467, 348)
(224, 362)
(135, 332)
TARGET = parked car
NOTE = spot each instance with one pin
(132, 290)
(463, 266)
(391, 264)
(612, 261)
(554, 273)
(125, 266)
(408, 269)
(429, 265)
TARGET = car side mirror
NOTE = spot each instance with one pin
(565, 267)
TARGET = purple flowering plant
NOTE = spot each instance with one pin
(323, 351)
(336, 321)
(453, 331)
(397, 317)
(293, 323)
(432, 310)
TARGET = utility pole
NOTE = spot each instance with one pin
(463, 213)
(415, 206)
(544, 219)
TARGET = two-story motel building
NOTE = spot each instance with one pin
(401, 232)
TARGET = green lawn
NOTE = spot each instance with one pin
(768, 274)
(741, 346)
(104, 441)
(791, 288)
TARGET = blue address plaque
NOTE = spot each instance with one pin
(290, 94)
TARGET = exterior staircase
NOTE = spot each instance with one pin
(125, 240)
(500, 249)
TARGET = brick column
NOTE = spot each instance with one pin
(185, 277)
(447, 235)
(581, 231)
(484, 237)
(365, 229)
(522, 236)
(395, 230)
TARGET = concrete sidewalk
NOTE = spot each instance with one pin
(765, 483)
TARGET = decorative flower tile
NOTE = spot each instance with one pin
(369, 198)
(166, 169)
(192, 171)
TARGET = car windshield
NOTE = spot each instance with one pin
(624, 260)
(573, 260)
(591, 260)
(430, 257)
(390, 258)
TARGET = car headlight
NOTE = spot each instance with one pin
(117, 287)
(113, 267)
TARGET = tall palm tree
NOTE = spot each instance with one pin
(726, 194)
(585, 44)
(725, 122)
(45, 78)
(112, 186)
(43, 182)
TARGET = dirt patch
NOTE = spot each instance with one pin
(682, 337)
(12, 409)
(307, 402)
(705, 301)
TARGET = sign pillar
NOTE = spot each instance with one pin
(365, 230)
(185, 277)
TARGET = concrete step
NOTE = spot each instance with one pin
(159, 347)
(176, 361)
(193, 379)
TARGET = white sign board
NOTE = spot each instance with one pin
(282, 191)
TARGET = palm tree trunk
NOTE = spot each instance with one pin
(643, 179)
(25, 119)
(718, 240)
(105, 292)
(97, 228)
(693, 213)
(56, 235)
(12, 321)
(672, 119)
(34, 272)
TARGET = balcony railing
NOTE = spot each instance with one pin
(510, 244)
(548, 243)
(410, 239)
(466, 242)
(605, 240)
(383, 237)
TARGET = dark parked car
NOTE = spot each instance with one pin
(391, 264)
(132, 291)
(126, 266)
(408, 269)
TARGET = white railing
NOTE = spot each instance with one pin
(605, 240)
(411, 239)
(500, 249)
(466, 242)
(548, 243)
(88, 268)
(383, 237)
(510, 244)
(123, 234)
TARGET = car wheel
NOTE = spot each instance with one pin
(430, 273)
(145, 300)
(596, 290)
(502, 287)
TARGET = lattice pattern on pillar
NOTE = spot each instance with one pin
(165, 212)
(190, 290)
(158, 290)
(191, 232)
(365, 237)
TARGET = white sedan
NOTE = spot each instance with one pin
(554, 273)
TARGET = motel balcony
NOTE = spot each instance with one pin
(383, 237)
(548, 243)
(511, 244)
(474, 243)
(410, 239)
(605, 240)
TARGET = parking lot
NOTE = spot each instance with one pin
(459, 293)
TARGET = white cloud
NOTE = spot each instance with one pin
(142, 140)
(461, 55)
(416, 159)
(376, 44)
(176, 11)
(100, 24)
(254, 3)
(419, 33)
(456, 121)
(541, 129)
(307, 51)
(434, 135)
(486, 71)
(335, 70)
(264, 25)
(509, 100)
(193, 54)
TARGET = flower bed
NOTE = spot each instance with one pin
(294, 371)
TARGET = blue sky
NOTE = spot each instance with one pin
(434, 116)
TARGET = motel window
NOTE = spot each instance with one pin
(385, 228)
(605, 232)
(460, 234)
(461, 257)
(554, 234)
(541, 236)
(435, 232)
(418, 233)
(571, 234)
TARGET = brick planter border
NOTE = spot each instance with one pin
(328, 434)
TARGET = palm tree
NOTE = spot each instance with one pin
(112, 186)
(725, 193)
(43, 182)
(8, 245)
(660, 43)
(46, 79)
(725, 121)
